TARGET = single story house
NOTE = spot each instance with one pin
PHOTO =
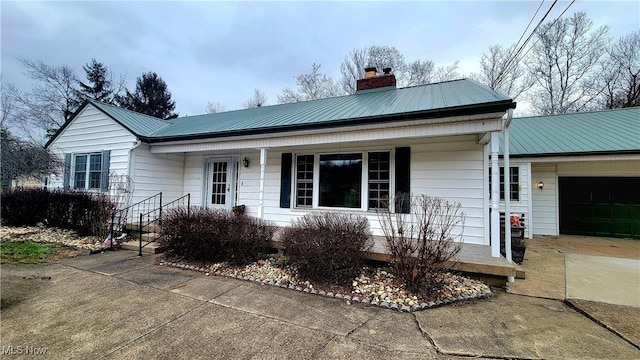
(344, 153)
(577, 173)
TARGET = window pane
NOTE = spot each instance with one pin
(94, 180)
(304, 180)
(81, 163)
(95, 163)
(80, 173)
(340, 180)
(514, 185)
(378, 179)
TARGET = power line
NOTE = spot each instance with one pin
(514, 60)
(527, 28)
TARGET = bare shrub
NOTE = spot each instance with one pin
(195, 233)
(421, 243)
(248, 239)
(329, 246)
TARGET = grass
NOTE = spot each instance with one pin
(24, 252)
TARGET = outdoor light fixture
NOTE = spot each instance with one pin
(540, 185)
(245, 162)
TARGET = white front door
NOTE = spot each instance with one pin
(220, 182)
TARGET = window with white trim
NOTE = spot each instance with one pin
(87, 171)
(514, 177)
(336, 180)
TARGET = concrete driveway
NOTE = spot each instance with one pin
(598, 276)
(116, 305)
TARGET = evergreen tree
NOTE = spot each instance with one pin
(151, 97)
(98, 86)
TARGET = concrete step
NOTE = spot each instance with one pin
(133, 227)
(149, 247)
(150, 236)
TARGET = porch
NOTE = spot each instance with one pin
(473, 259)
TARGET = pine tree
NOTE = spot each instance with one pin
(151, 97)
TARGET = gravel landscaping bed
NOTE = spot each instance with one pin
(374, 286)
(51, 235)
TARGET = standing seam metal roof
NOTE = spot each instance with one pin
(584, 132)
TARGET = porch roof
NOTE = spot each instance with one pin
(585, 133)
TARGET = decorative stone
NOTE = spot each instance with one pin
(314, 291)
(405, 308)
(321, 292)
(415, 308)
(206, 274)
(329, 294)
(347, 297)
(365, 301)
(393, 306)
(305, 290)
(298, 288)
(338, 296)
(384, 304)
(375, 303)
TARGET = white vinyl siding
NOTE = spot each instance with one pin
(92, 132)
(521, 206)
(545, 203)
(154, 173)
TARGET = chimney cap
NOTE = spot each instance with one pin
(371, 68)
(386, 70)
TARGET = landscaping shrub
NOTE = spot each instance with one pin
(85, 212)
(196, 233)
(328, 246)
(249, 238)
(211, 234)
(422, 244)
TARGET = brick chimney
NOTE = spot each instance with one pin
(373, 81)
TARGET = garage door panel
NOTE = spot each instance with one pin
(600, 206)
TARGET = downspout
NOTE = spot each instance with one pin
(507, 192)
(130, 167)
(263, 166)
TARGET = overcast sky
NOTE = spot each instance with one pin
(221, 51)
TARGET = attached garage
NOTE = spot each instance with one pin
(600, 206)
(584, 174)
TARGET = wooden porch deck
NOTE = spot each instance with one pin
(474, 260)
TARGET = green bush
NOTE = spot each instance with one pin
(85, 212)
(328, 247)
(210, 234)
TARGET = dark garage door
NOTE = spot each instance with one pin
(600, 206)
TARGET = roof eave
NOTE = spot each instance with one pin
(473, 109)
(576, 153)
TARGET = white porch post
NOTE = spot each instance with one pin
(263, 166)
(495, 195)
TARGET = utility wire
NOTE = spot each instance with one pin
(514, 60)
(538, 39)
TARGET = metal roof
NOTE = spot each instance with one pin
(449, 98)
(361, 108)
(139, 124)
(576, 133)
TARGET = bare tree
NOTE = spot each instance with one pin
(258, 99)
(621, 73)
(420, 72)
(446, 72)
(311, 86)
(25, 159)
(215, 108)
(501, 72)
(352, 69)
(563, 63)
(46, 106)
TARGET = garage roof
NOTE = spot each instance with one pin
(609, 131)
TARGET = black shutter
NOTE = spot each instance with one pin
(403, 178)
(285, 180)
(104, 171)
(66, 174)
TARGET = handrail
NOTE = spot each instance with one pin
(141, 223)
(145, 204)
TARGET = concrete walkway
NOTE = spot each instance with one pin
(116, 305)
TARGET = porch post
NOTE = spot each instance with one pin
(263, 166)
(495, 195)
